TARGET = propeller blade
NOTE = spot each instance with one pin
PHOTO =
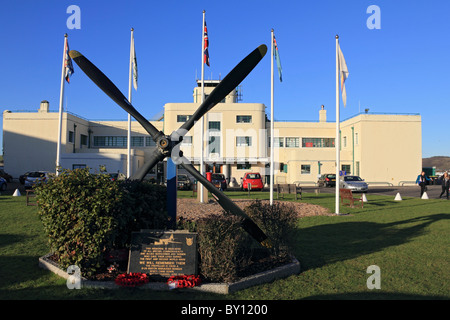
(155, 157)
(111, 90)
(248, 224)
(229, 83)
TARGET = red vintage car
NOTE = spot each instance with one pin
(252, 179)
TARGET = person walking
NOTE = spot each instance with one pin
(445, 184)
(422, 181)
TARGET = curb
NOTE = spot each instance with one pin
(218, 288)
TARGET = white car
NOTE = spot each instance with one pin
(34, 177)
(354, 183)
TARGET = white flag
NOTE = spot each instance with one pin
(134, 61)
(343, 75)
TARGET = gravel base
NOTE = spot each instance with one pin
(192, 209)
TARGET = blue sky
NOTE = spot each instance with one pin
(401, 68)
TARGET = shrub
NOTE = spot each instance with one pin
(86, 214)
(277, 221)
(227, 252)
(222, 247)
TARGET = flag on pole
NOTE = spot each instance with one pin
(134, 64)
(68, 67)
(343, 74)
(206, 45)
(277, 58)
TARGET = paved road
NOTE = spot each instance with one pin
(433, 191)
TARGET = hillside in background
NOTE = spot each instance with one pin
(440, 162)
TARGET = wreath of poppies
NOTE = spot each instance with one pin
(132, 279)
(184, 281)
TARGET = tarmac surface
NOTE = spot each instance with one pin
(433, 191)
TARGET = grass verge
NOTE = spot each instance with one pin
(407, 240)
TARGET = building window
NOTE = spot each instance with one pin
(182, 118)
(214, 144)
(71, 136)
(243, 119)
(305, 169)
(356, 138)
(110, 141)
(278, 142)
(187, 140)
(244, 166)
(346, 168)
(214, 125)
(78, 166)
(345, 142)
(149, 142)
(83, 140)
(317, 142)
(244, 141)
(137, 141)
(292, 142)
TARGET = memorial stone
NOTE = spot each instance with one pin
(163, 253)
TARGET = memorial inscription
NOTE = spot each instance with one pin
(163, 253)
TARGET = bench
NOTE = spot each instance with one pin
(289, 189)
(30, 194)
(347, 194)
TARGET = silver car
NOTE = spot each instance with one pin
(354, 183)
(34, 177)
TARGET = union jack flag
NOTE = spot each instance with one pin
(68, 67)
(205, 52)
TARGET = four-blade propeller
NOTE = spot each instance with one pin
(166, 144)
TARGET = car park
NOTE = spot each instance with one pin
(252, 180)
(117, 176)
(183, 182)
(3, 184)
(354, 183)
(23, 177)
(5, 176)
(35, 177)
(327, 180)
(218, 179)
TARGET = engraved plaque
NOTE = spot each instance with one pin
(163, 253)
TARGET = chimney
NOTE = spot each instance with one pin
(44, 106)
(323, 114)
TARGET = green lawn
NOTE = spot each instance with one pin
(407, 240)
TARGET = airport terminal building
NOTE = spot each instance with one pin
(380, 148)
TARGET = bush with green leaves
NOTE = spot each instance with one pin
(85, 214)
(226, 251)
(277, 221)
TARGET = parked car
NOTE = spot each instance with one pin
(117, 176)
(183, 182)
(354, 183)
(3, 184)
(252, 179)
(5, 176)
(35, 177)
(23, 177)
(218, 179)
(327, 180)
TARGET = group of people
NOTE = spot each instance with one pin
(422, 181)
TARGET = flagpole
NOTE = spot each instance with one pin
(271, 123)
(130, 75)
(202, 166)
(61, 99)
(337, 141)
